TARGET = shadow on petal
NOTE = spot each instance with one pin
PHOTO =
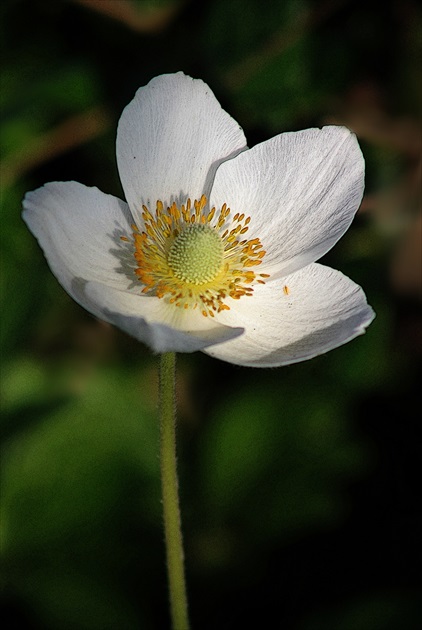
(124, 254)
(163, 338)
(158, 336)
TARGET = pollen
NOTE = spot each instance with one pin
(195, 257)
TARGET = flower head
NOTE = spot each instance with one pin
(215, 248)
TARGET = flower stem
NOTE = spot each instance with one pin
(169, 486)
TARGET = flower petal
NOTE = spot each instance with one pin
(79, 229)
(170, 140)
(299, 317)
(301, 190)
(149, 320)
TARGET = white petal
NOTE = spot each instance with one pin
(301, 190)
(320, 310)
(164, 328)
(79, 229)
(170, 140)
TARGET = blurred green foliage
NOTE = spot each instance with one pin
(298, 484)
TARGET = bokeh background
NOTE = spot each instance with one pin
(298, 485)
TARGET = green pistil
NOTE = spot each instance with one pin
(196, 255)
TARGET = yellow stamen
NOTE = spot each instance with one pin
(193, 256)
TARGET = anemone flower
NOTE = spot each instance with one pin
(215, 248)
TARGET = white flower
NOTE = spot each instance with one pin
(215, 248)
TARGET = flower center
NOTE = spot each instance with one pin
(196, 255)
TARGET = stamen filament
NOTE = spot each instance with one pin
(191, 255)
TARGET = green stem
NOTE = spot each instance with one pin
(169, 485)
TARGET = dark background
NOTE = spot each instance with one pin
(300, 499)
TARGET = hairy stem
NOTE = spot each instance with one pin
(170, 494)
